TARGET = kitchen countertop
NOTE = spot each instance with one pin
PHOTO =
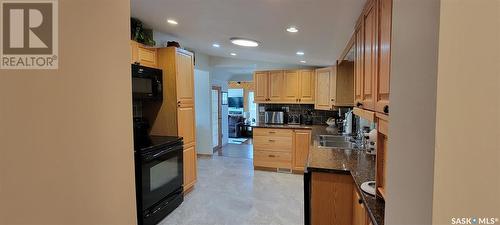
(358, 164)
(283, 126)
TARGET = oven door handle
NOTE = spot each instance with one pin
(161, 153)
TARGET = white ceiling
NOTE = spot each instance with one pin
(325, 26)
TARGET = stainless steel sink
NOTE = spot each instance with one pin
(335, 141)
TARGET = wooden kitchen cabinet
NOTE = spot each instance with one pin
(370, 55)
(335, 86)
(272, 148)
(291, 86)
(175, 115)
(261, 80)
(323, 86)
(358, 65)
(143, 55)
(359, 214)
(331, 199)
(288, 86)
(276, 86)
(306, 86)
(381, 159)
(302, 143)
(382, 78)
(189, 167)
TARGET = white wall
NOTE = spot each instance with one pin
(467, 162)
(410, 156)
(225, 113)
(203, 108)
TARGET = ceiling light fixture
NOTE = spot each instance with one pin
(292, 29)
(303, 61)
(233, 54)
(244, 42)
(171, 21)
(300, 53)
(215, 45)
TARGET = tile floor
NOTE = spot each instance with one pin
(230, 192)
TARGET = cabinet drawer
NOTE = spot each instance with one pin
(272, 159)
(272, 132)
(273, 143)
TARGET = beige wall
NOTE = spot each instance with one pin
(467, 163)
(66, 154)
(410, 152)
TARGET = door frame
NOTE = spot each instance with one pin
(219, 119)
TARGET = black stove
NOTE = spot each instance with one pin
(158, 173)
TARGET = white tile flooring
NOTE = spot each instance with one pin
(230, 192)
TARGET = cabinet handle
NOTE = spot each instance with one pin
(386, 109)
(271, 140)
(300, 100)
(272, 156)
(272, 132)
(360, 201)
(359, 104)
(332, 100)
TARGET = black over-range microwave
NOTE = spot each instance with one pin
(147, 83)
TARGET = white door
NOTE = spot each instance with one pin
(215, 118)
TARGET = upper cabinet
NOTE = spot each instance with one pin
(372, 44)
(335, 86)
(369, 20)
(143, 55)
(288, 86)
(383, 76)
(261, 80)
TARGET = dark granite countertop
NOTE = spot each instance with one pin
(360, 165)
(283, 126)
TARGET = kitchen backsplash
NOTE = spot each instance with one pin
(319, 116)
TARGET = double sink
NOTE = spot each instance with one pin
(336, 141)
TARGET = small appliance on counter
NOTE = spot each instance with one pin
(307, 118)
(158, 173)
(274, 117)
(294, 118)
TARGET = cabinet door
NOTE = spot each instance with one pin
(185, 79)
(358, 209)
(331, 198)
(323, 86)
(275, 86)
(358, 66)
(134, 52)
(186, 124)
(261, 86)
(383, 75)
(189, 166)
(147, 56)
(306, 86)
(370, 53)
(302, 142)
(291, 86)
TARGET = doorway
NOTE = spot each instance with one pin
(216, 119)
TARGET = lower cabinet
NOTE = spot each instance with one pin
(331, 199)
(189, 167)
(359, 214)
(302, 143)
(281, 148)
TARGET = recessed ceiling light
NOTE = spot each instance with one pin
(233, 54)
(292, 29)
(303, 61)
(215, 45)
(300, 53)
(244, 42)
(171, 21)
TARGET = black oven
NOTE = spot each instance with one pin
(159, 177)
(147, 83)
